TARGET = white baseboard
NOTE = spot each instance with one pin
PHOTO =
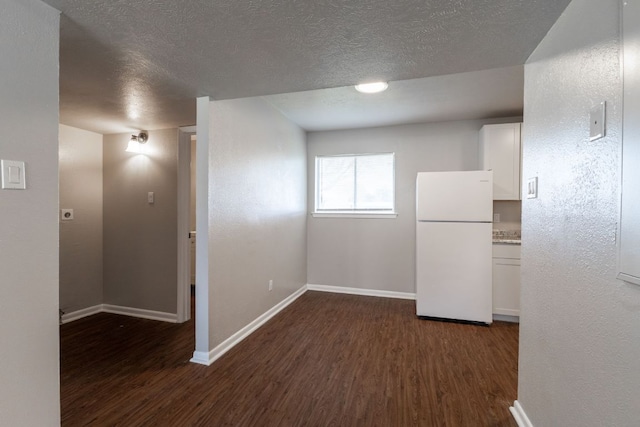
(506, 312)
(519, 415)
(116, 309)
(364, 292)
(202, 358)
(141, 313)
(205, 358)
(79, 314)
(506, 318)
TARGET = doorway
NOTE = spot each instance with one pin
(192, 213)
(186, 221)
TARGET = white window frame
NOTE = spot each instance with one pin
(364, 214)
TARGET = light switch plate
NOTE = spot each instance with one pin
(13, 175)
(496, 217)
(597, 122)
(532, 188)
(66, 214)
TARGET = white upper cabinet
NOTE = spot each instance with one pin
(500, 152)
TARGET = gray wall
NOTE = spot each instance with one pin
(379, 254)
(510, 214)
(140, 239)
(29, 377)
(80, 176)
(579, 326)
(257, 212)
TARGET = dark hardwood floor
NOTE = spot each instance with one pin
(326, 360)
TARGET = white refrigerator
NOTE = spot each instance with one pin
(454, 212)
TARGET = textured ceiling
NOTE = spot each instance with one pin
(131, 64)
(465, 96)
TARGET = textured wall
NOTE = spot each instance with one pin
(140, 239)
(80, 178)
(580, 327)
(380, 253)
(29, 377)
(257, 212)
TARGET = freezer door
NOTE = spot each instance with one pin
(453, 271)
(454, 196)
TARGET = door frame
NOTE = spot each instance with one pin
(183, 311)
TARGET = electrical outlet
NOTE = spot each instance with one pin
(271, 285)
(66, 214)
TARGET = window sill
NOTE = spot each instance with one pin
(356, 215)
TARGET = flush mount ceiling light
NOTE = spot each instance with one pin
(372, 87)
(136, 143)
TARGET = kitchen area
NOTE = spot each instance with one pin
(468, 235)
(378, 256)
(500, 150)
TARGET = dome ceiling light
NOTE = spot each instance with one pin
(375, 87)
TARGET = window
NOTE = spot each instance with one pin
(352, 184)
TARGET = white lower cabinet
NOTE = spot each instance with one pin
(506, 279)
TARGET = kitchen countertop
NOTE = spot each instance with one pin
(507, 237)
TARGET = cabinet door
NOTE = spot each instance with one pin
(506, 286)
(500, 152)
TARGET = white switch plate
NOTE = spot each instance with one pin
(496, 217)
(66, 214)
(597, 121)
(532, 188)
(13, 175)
(150, 197)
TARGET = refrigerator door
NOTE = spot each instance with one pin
(454, 196)
(453, 271)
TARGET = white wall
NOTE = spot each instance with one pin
(256, 212)
(80, 177)
(29, 355)
(140, 239)
(579, 326)
(379, 254)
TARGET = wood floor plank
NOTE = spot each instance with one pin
(327, 359)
